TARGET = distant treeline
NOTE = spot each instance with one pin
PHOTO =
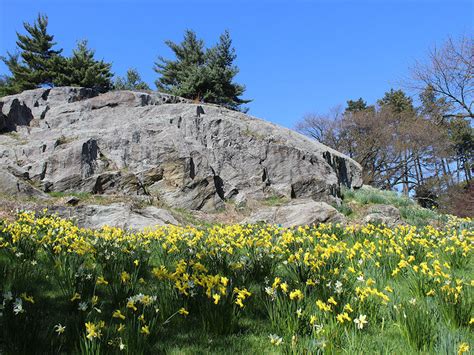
(425, 150)
(197, 72)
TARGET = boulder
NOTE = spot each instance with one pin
(15, 186)
(119, 215)
(72, 201)
(188, 155)
(383, 214)
(297, 213)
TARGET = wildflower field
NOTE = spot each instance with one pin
(235, 289)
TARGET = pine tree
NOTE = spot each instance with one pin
(397, 101)
(132, 81)
(356, 105)
(82, 69)
(6, 86)
(433, 107)
(462, 137)
(183, 76)
(201, 74)
(32, 66)
(222, 71)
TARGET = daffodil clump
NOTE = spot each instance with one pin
(323, 288)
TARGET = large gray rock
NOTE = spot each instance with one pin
(188, 155)
(297, 213)
(12, 185)
(118, 215)
(383, 214)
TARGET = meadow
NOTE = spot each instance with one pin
(235, 289)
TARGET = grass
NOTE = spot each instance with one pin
(235, 289)
(418, 216)
(80, 195)
(344, 208)
(368, 195)
(275, 201)
(185, 216)
(356, 202)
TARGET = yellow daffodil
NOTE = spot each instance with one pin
(145, 330)
(463, 348)
(183, 312)
(124, 277)
(118, 314)
(296, 294)
(101, 281)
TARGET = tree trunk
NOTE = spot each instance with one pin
(405, 174)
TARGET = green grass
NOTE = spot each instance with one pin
(368, 195)
(412, 321)
(344, 208)
(251, 336)
(60, 194)
(355, 203)
(418, 216)
(275, 201)
(185, 216)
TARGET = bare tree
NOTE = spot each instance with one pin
(449, 71)
(324, 128)
(395, 146)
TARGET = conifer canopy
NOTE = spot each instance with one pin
(202, 74)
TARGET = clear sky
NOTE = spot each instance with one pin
(294, 56)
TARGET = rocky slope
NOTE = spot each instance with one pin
(186, 155)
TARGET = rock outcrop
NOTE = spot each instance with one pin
(118, 215)
(297, 213)
(383, 214)
(188, 155)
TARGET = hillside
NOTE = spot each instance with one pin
(139, 159)
(138, 148)
(335, 267)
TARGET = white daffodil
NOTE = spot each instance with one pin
(275, 339)
(318, 328)
(59, 328)
(121, 345)
(360, 321)
(18, 306)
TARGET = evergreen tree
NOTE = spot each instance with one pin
(356, 106)
(82, 69)
(184, 75)
(462, 137)
(132, 81)
(397, 101)
(402, 118)
(222, 71)
(6, 86)
(433, 107)
(32, 67)
(201, 74)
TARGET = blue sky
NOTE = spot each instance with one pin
(294, 56)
